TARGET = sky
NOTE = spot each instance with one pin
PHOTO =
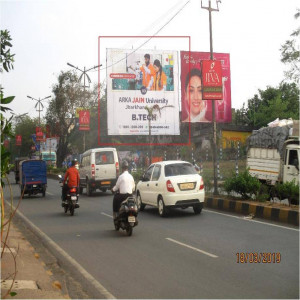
(47, 34)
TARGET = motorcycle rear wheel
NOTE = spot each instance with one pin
(66, 208)
(129, 231)
(72, 209)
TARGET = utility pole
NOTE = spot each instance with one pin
(84, 75)
(210, 9)
(40, 106)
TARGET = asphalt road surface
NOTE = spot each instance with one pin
(211, 255)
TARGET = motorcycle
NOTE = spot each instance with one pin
(71, 198)
(126, 218)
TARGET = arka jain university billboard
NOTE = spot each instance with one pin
(140, 79)
(194, 107)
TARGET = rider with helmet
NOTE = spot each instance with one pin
(125, 185)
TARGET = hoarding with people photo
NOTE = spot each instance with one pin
(137, 81)
(194, 107)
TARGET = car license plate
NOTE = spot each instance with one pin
(105, 182)
(73, 198)
(131, 219)
(187, 186)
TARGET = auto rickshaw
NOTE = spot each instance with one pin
(33, 177)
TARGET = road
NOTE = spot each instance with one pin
(181, 256)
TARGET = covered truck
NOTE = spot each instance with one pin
(273, 153)
(33, 177)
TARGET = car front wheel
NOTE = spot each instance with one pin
(140, 204)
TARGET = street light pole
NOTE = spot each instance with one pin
(210, 9)
(40, 108)
(84, 74)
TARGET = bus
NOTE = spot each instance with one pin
(49, 157)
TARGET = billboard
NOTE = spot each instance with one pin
(194, 108)
(84, 120)
(18, 140)
(138, 81)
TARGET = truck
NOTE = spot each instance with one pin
(273, 154)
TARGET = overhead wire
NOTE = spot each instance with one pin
(150, 38)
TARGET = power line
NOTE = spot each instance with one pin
(150, 38)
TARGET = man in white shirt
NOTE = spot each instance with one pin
(125, 185)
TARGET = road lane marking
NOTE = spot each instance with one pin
(106, 215)
(50, 194)
(249, 220)
(193, 248)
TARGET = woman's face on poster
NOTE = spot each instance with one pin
(194, 91)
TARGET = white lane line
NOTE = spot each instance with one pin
(106, 215)
(193, 248)
(50, 194)
(250, 220)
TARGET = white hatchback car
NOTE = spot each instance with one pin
(168, 184)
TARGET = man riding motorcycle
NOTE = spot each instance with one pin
(72, 178)
(125, 185)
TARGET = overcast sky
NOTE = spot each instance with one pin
(47, 34)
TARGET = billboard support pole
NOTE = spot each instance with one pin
(210, 9)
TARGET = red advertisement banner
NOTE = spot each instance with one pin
(212, 80)
(194, 107)
(18, 140)
(84, 120)
(39, 134)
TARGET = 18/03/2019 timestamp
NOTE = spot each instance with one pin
(258, 257)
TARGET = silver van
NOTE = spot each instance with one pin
(99, 169)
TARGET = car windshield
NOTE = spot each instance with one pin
(179, 169)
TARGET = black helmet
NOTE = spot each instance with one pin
(74, 162)
(124, 164)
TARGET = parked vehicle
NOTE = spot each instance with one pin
(99, 169)
(273, 154)
(16, 168)
(71, 198)
(127, 216)
(33, 177)
(171, 184)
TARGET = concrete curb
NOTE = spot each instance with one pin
(284, 215)
(95, 288)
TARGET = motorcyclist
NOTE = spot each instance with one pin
(71, 179)
(125, 185)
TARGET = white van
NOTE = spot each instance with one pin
(99, 169)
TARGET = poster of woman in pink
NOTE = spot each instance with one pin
(193, 107)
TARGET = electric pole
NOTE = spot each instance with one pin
(39, 107)
(210, 9)
(84, 75)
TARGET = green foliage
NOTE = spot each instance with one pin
(290, 54)
(137, 175)
(272, 103)
(6, 58)
(288, 190)
(243, 184)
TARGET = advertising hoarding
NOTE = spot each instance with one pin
(18, 140)
(196, 109)
(84, 120)
(142, 79)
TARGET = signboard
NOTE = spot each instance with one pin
(212, 80)
(84, 120)
(18, 140)
(194, 107)
(138, 81)
(39, 134)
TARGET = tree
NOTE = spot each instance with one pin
(61, 113)
(290, 55)
(272, 103)
(6, 63)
